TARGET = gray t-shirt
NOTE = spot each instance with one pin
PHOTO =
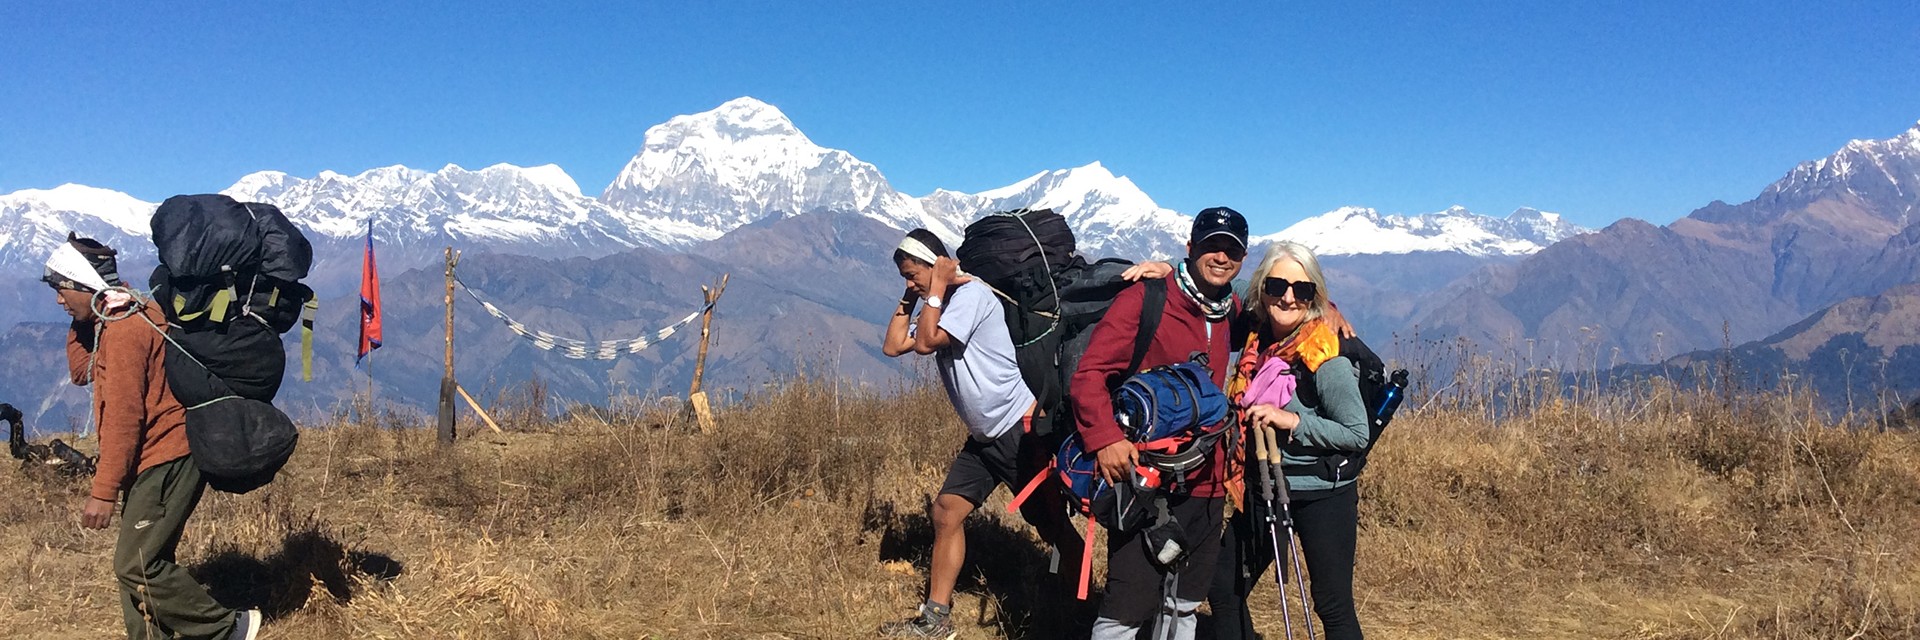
(978, 367)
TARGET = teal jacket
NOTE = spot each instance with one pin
(1338, 424)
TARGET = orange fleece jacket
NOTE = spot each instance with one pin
(141, 424)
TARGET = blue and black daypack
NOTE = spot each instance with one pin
(1174, 415)
(1381, 392)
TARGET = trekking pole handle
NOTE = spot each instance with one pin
(1275, 461)
(1258, 441)
(1272, 452)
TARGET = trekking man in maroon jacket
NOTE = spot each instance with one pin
(1195, 325)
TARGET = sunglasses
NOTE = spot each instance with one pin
(1303, 291)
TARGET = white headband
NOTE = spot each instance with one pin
(911, 247)
(67, 262)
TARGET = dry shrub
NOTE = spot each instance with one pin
(1645, 512)
(1755, 515)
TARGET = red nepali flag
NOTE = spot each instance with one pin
(369, 302)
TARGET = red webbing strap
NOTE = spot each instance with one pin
(1038, 479)
(1086, 558)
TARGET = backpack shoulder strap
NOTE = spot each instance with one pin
(1153, 305)
(1365, 361)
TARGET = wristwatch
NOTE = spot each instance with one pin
(933, 302)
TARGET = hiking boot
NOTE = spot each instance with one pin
(925, 624)
(246, 625)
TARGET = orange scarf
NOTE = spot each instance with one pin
(1310, 346)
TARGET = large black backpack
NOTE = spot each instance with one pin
(1001, 247)
(1380, 391)
(229, 284)
(1052, 298)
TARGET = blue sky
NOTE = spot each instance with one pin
(1279, 109)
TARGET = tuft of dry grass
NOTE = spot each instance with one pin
(1639, 513)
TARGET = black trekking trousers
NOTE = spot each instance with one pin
(1327, 524)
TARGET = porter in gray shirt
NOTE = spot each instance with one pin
(978, 369)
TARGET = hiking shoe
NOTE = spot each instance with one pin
(921, 625)
(246, 625)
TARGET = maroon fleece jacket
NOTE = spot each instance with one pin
(1183, 331)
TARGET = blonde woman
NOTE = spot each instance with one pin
(1292, 319)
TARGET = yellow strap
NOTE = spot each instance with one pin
(217, 312)
(180, 310)
(308, 310)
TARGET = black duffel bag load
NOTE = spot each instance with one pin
(229, 283)
(1000, 247)
(1051, 295)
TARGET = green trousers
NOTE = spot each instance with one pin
(158, 598)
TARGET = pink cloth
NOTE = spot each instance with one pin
(1271, 385)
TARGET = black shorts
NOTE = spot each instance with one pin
(1011, 459)
(1135, 585)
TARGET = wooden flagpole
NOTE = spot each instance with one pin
(447, 385)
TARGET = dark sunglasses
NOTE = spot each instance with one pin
(1304, 290)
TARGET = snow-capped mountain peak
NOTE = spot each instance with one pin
(501, 204)
(744, 161)
(550, 176)
(124, 212)
(737, 119)
(34, 221)
(1073, 192)
(1109, 214)
(260, 183)
(1870, 169)
(1360, 230)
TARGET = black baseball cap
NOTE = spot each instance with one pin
(1215, 221)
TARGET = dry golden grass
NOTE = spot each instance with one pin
(1642, 514)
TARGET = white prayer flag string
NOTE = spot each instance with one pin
(580, 349)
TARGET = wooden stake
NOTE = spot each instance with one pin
(702, 411)
(697, 395)
(476, 409)
(706, 333)
(447, 385)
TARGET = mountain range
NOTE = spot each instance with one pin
(1832, 228)
(1861, 354)
(805, 232)
(695, 178)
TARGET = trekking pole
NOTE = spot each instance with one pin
(1262, 436)
(1274, 462)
